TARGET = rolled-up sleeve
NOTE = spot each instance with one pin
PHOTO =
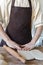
(39, 21)
(2, 19)
(3, 16)
(37, 14)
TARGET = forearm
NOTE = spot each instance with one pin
(8, 41)
(3, 34)
(37, 34)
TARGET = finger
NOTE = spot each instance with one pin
(28, 49)
(31, 48)
(23, 45)
(18, 48)
(24, 48)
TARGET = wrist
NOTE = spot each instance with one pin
(8, 40)
(33, 42)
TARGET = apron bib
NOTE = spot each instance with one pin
(19, 27)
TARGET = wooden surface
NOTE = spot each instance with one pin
(14, 61)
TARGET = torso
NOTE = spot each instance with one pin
(19, 27)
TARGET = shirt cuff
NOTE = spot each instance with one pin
(38, 25)
(39, 21)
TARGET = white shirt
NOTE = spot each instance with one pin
(5, 9)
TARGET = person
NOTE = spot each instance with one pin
(16, 18)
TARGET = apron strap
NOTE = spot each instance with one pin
(30, 3)
(13, 2)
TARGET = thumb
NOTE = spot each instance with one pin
(18, 47)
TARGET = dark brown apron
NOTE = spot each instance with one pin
(19, 27)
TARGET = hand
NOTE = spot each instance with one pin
(28, 46)
(13, 45)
